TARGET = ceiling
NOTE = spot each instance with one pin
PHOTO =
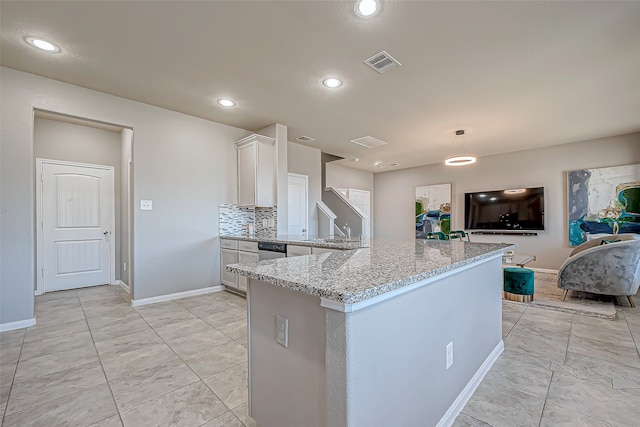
(515, 75)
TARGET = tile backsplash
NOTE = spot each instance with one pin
(271, 217)
(234, 220)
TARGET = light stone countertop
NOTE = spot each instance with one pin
(311, 241)
(356, 275)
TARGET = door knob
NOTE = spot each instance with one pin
(105, 233)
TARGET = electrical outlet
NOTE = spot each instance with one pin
(282, 331)
(264, 222)
(449, 354)
(146, 205)
(272, 222)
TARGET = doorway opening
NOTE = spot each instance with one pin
(83, 203)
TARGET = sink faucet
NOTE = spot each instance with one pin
(347, 230)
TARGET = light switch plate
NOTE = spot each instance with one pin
(282, 330)
(146, 205)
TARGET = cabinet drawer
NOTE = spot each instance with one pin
(228, 244)
(248, 246)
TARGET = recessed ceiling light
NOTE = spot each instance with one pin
(493, 198)
(42, 44)
(515, 191)
(226, 102)
(355, 159)
(394, 164)
(378, 164)
(332, 82)
(366, 8)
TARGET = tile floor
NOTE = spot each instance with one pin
(561, 369)
(92, 360)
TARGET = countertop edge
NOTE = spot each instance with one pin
(345, 246)
(356, 297)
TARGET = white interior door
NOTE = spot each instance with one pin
(77, 211)
(362, 199)
(297, 204)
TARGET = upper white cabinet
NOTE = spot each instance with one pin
(256, 171)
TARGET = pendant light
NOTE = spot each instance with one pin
(461, 159)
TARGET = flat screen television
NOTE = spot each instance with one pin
(518, 209)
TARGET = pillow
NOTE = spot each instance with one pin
(606, 242)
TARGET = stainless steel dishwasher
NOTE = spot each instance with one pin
(268, 250)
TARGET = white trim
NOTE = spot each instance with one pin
(348, 202)
(325, 210)
(39, 232)
(351, 307)
(545, 270)
(20, 324)
(122, 284)
(177, 295)
(454, 410)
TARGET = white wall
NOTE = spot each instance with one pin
(545, 167)
(185, 165)
(279, 133)
(58, 140)
(306, 161)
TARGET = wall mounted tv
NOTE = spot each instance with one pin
(515, 209)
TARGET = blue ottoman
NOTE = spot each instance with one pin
(518, 284)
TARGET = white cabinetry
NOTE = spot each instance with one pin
(228, 256)
(245, 257)
(231, 252)
(294, 250)
(256, 171)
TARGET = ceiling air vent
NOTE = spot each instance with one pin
(369, 142)
(305, 139)
(382, 62)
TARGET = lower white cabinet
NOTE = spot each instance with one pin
(228, 256)
(245, 257)
(294, 250)
(232, 252)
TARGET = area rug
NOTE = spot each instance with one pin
(547, 295)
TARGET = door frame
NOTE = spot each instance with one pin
(39, 220)
(306, 198)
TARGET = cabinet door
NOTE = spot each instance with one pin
(247, 167)
(227, 257)
(293, 250)
(245, 257)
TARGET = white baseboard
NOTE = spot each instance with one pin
(178, 295)
(545, 270)
(454, 410)
(10, 326)
(122, 284)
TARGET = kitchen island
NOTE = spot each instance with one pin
(397, 334)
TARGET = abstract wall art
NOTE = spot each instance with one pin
(603, 201)
(433, 209)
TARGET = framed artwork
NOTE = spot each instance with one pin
(433, 209)
(603, 201)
